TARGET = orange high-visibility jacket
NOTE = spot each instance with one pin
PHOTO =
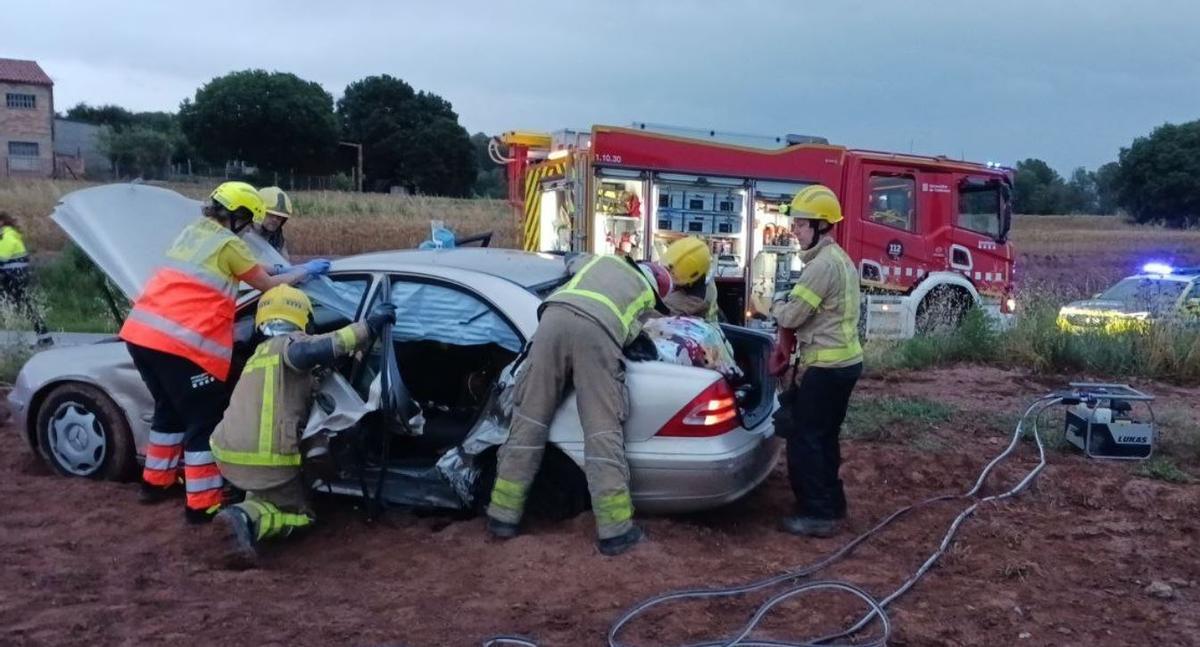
(187, 308)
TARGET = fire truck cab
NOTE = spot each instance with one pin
(929, 234)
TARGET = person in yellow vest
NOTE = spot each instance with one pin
(584, 327)
(689, 260)
(179, 333)
(823, 310)
(270, 225)
(257, 443)
(14, 277)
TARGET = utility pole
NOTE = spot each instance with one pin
(358, 168)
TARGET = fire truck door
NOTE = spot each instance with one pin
(894, 226)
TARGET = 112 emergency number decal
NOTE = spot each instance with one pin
(895, 249)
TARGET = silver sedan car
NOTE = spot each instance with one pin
(694, 439)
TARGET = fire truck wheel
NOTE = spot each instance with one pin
(942, 310)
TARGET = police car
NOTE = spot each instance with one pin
(1159, 294)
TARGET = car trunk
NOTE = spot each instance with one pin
(756, 391)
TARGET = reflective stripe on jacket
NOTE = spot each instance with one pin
(823, 308)
(257, 443)
(608, 290)
(187, 307)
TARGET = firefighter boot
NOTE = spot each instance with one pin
(810, 526)
(196, 517)
(621, 543)
(501, 529)
(237, 534)
(152, 494)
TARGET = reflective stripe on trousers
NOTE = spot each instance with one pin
(269, 521)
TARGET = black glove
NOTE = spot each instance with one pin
(641, 349)
(383, 314)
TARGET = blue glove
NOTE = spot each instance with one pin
(316, 267)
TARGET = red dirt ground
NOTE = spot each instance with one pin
(1065, 564)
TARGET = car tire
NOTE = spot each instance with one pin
(81, 432)
(559, 490)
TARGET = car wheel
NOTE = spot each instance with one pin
(81, 432)
(559, 490)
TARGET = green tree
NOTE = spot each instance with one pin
(119, 119)
(492, 179)
(411, 139)
(274, 120)
(1159, 176)
(106, 115)
(1037, 188)
(1080, 193)
(1107, 177)
(136, 150)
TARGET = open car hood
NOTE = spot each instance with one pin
(126, 229)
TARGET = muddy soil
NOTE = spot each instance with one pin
(1067, 563)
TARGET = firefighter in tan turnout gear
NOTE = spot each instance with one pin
(822, 310)
(257, 444)
(689, 261)
(584, 327)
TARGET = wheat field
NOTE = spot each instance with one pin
(327, 222)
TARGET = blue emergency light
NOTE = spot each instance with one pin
(1157, 268)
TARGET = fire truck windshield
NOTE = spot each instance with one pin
(982, 208)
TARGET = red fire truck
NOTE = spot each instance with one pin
(929, 234)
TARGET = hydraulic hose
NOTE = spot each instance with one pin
(877, 608)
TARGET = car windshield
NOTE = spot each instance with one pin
(1145, 294)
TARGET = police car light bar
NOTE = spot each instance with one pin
(1157, 268)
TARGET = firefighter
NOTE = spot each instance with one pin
(270, 224)
(257, 443)
(689, 261)
(180, 336)
(822, 310)
(583, 329)
(14, 277)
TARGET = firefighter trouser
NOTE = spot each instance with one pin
(569, 349)
(277, 511)
(14, 289)
(813, 450)
(188, 404)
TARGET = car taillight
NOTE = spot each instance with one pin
(711, 413)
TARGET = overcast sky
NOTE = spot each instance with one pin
(1067, 81)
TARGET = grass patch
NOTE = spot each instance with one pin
(70, 291)
(1167, 352)
(906, 420)
(1162, 468)
(12, 358)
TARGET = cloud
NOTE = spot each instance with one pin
(1069, 82)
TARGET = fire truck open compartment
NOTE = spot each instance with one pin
(927, 233)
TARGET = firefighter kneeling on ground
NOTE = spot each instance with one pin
(580, 340)
(257, 444)
(821, 312)
(689, 261)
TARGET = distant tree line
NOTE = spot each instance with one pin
(282, 126)
(1155, 180)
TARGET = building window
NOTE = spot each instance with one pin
(20, 101)
(892, 202)
(22, 149)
